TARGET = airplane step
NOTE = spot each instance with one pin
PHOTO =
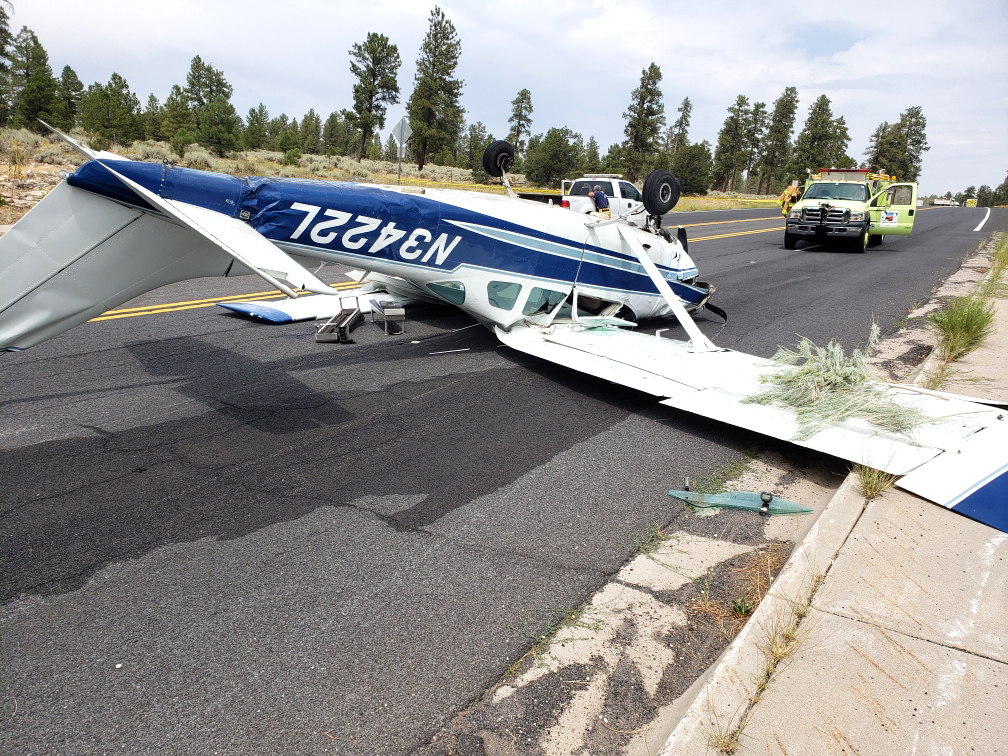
(340, 325)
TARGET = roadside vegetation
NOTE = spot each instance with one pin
(755, 154)
(965, 322)
(824, 386)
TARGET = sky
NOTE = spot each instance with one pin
(581, 59)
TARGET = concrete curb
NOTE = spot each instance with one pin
(732, 685)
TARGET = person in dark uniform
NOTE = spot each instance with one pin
(600, 200)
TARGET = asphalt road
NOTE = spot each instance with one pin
(222, 537)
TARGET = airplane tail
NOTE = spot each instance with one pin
(77, 254)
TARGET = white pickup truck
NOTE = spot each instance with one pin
(622, 195)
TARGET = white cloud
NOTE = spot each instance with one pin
(580, 60)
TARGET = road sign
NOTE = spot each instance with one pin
(401, 132)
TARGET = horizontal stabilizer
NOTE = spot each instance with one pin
(306, 308)
(238, 239)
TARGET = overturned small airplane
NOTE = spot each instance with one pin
(555, 284)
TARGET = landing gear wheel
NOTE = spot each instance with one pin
(789, 240)
(498, 158)
(874, 240)
(661, 192)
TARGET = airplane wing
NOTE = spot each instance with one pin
(697, 377)
(237, 239)
(714, 384)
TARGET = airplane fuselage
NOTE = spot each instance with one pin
(498, 258)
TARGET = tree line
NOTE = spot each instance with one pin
(754, 150)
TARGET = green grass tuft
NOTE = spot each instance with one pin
(872, 481)
(962, 325)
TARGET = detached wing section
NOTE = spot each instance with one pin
(238, 239)
(714, 384)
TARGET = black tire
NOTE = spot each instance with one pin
(661, 192)
(498, 158)
(861, 243)
(874, 240)
(789, 240)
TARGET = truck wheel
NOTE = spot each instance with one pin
(874, 240)
(498, 158)
(861, 243)
(789, 241)
(661, 192)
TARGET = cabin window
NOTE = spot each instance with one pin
(503, 294)
(901, 195)
(451, 291)
(629, 191)
(581, 188)
(542, 301)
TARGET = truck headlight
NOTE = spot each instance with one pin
(857, 217)
(794, 214)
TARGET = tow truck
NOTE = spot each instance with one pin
(854, 206)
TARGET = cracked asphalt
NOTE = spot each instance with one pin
(219, 536)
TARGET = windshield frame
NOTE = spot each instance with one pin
(809, 193)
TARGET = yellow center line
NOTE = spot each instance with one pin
(193, 304)
(740, 220)
(737, 233)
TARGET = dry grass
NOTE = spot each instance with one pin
(692, 204)
(872, 481)
(750, 584)
(724, 735)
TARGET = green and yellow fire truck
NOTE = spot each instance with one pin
(853, 207)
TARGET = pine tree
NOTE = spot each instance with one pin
(730, 153)
(176, 113)
(375, 63)
(822, 142)
(391, 151)
(219, 128)
(152, 116)
(645, 119)
(520, 121)
(692, 166)
(275, 130)
(68, 95)
(552, 157)
(5, 49)
(311, 133)
(898, 148)
(111, 111)
(335, 134)
(34, 86)
(776, 148)
(914, 125)
(434, 111)
(254, 136)
(678, 133)
(592, 161)
(204, 83)
(754, 138)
